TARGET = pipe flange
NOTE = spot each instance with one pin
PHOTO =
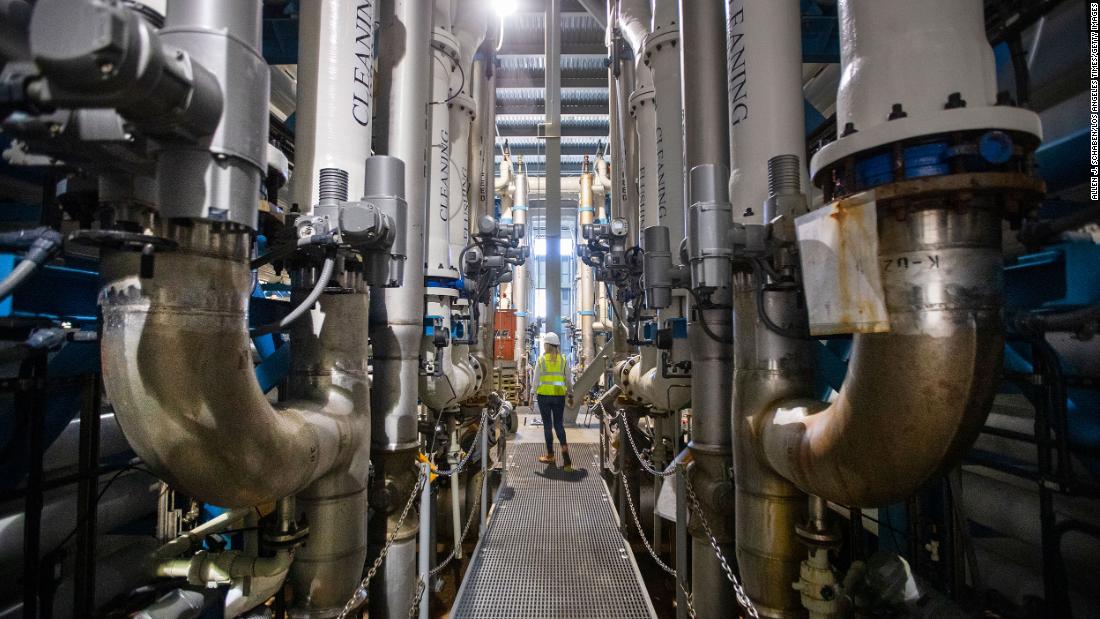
(813, 537)
(707, 449)
(855, 140)
(445, 42)
(640, 98)
(655, 42)
(1025, 186)
(463, 104)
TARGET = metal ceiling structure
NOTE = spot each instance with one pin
(521, 70)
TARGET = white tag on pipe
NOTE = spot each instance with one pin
(838, 246)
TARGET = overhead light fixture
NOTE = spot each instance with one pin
(504, 8)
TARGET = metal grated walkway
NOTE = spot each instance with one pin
(553, 548)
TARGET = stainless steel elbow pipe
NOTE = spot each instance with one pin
(178, 371)
(915, 398)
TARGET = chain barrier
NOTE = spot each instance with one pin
(421, 584)
(360, 594)
(688, 599)
(462, 464)
(649, 468)
(361, 591)
(738, 590)
(638, 525)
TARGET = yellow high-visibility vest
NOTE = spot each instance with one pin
(552, 378)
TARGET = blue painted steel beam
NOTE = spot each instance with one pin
(820, 39)
(1064, 163)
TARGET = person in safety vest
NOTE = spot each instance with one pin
(553, 383)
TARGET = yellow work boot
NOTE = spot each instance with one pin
(547, 459)
(567, 461)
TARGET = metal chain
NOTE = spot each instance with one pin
(688, 599)
(360, 594)
(638, 525)
(739, 591)
(461, 466)
(421, 584)
(638, 454)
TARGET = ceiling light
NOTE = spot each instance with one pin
(504, 7)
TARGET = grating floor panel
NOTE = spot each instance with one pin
(553, 548)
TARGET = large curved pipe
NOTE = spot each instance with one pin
(634, 20)
(186, 411)
(915, 398)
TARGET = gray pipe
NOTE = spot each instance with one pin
(768, 368)
(704, 94)
(711, 394)
(627, 155)
(634, 21)
(329, 360)
(706, 135)
(15, 20)
(397, 313)
(220, 180)
(130, 497)
(553, 166)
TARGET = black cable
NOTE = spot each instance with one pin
(318, 288)
(1021, 72)
(1044, 231)
(611, 309)
(42, 245)
(703, 323)
(761, 311)
(1073, 320)
(102, 491)
(462, 72)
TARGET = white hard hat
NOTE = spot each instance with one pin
(551, 338)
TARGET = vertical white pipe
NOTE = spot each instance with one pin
(764, 61)
(335, 94)
(585, 215)
(644, 110)
(444, 70)
(662, 55)
(940, 43)
(424, 563)
(519, 276)
(462, 116)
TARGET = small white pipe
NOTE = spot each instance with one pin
(217, 524)
(502, 184)
(603, 177)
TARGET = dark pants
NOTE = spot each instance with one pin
(552, 409)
